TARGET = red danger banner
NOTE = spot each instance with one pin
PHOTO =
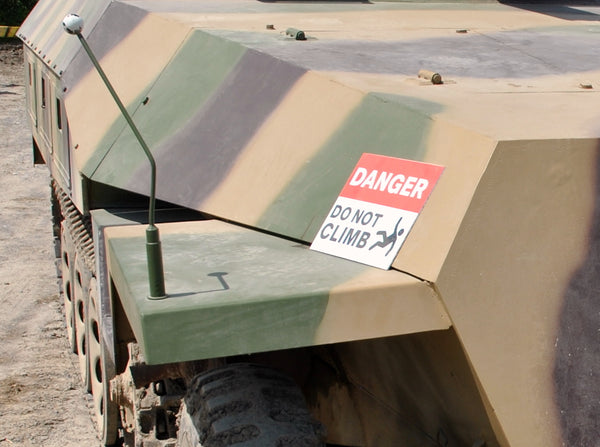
(376, 209)
(393, 182)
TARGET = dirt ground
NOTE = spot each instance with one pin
(42, 402)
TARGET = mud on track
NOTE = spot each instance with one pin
(42, 402)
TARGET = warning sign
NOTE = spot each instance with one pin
(376, 209)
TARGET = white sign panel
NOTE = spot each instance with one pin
(376, 209)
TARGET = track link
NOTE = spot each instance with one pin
(77, 225)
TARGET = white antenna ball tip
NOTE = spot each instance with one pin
(73, 24)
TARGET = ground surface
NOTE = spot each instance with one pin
(42, 402)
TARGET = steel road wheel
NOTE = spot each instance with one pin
(80, 301)
(106, 411)
(66, 267)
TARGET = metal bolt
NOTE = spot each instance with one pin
(160, 388)
(295, 33)
(432, 76)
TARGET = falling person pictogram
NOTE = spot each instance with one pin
(388, 239)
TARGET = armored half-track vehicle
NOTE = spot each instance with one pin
(379, 221)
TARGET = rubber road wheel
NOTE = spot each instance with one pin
(246, 405)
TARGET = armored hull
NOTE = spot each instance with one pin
(480, 329)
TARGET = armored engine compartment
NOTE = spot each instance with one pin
(483, 331)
